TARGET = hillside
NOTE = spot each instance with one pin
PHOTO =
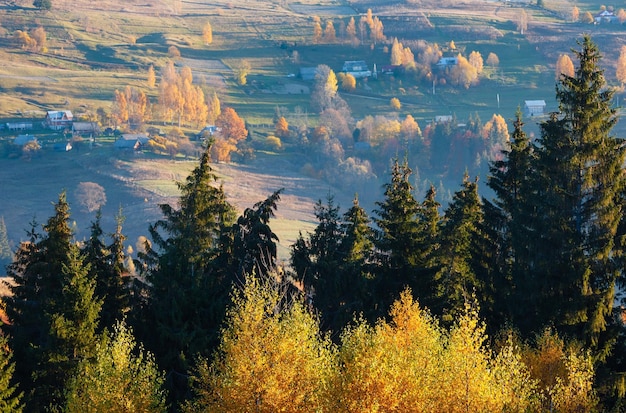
(94, 48)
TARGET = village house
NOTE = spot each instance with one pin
(59, 119)
(356, 68)
(448, 61)
(19, 126)
(534, 107)
(131, 141)
(605, 16)
(85, 129)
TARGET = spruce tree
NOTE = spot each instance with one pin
(506, 231)
(73, 322)
(456, 281)
(187, 290)
(10, 398)
(580, 205)
(323, 274)
(355, 252)
(429, 221)
(254, 242)
(396, 236)
(52, 310)
(106, 267)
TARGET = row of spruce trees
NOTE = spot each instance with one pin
(547, 251)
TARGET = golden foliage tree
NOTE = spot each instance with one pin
(282, 127)
(463, 73)
(409, 128)
(496, 130)
(41, 39)
(348, 82)
(214, 108)
(396, 52)
(564, 66)
(271, 357)
(151, 77)
(317, 30)
(241, 72)
(232, 130)
(392, 366)
(351, 31)
(587, 17)
(575, 14)
(330, 35)
(493, 60)
(207, 33)
(173, 52)
(179, 98)
(522, 21)
(122, 377)
(476, 60)
(131, 106)
(621, 15)
(395, 104)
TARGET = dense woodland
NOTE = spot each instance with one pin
(502, 304)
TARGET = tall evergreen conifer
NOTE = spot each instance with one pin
(456, 281)
(579, 188)
(188, 292)
(397, 235)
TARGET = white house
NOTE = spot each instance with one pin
(357, 68)
(534, 107)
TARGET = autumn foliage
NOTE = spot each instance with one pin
(273, 357)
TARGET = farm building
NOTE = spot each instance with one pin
(448, 61)
(605, 16)
(534, 107)
(85, 128)
(59, 119)
(14, 126)
(22, 140)
(131, 141)
(356, 68)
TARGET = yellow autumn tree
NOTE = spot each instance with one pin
(496, 130)
(392, 367)
(466, 383)
(330, 35)
(396, 52)
(282, 127)
(493, 60)
(317, 30)
(348, 82)
(151, 77)
(564, 372)
(463, 73)
(476, 60)
(409, 128)
(271, 357)
(214, 109)
(395, 104)
(575, 14)
(564, 66)
(207, 33)
(351, 32)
